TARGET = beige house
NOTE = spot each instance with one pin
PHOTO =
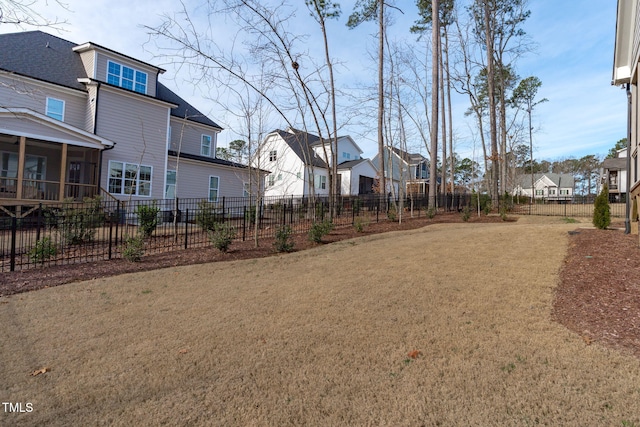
(81, 120)
(625, 73)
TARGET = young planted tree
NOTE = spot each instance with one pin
(601, 213)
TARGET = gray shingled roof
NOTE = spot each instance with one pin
(43, 57)
(51, 59)
(564, 180)
(350, 163)
(617, 163)
(301, 143)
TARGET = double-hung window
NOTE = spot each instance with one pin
(170, 187)
(205, 146)
(320, 182)
(273, 155)
(129, 179)
(55, 108)
(126, 77)
(214, 187)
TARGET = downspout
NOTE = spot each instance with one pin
(627, 222)
(95, 126)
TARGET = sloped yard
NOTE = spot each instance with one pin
(451, 324)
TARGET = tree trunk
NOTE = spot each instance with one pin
(435, 38)
(493, 190)
(383, 185)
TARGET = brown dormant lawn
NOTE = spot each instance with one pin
(445, 325)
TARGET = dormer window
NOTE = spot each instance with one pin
(126, 77)
(205, 146)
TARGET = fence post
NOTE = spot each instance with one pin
(117, 220)
(244, 222)
(186, 229)
(110, 235)
(38, 222)
(14, 226)
(378, 210)
(223, 197)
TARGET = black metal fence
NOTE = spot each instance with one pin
(70, 233)
(579, 207)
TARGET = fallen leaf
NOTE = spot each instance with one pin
(183, 351)
(414, 354)
(40, 371)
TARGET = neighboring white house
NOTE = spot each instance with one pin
(400, 166)
(614, 174)
(296, 160)
(549, 186)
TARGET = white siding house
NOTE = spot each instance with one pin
(297, 165)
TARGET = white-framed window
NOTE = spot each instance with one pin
(279, 177)
(126, 77)
(170, 186)
(129, 179)
(273, 155)
(271, 180)
(55, 108)
(564, 192)
(205, 146)
(299, 175)
(346, 155)
(246, 189)
(320, 182)
(552, 191)
(539, 192)
(214, 187)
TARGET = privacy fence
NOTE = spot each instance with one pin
(70, 233)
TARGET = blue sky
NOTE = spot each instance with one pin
(573, 58)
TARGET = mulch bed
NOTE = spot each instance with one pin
(598, 296)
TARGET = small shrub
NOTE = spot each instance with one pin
(484, 200)
(360, 223)
(133, 248)
(601, 212)
(147, 218)
(319, 230)
(43, 250)
(77, 223)
(466, 213)
(392, 214)
(208, 215)
(431, 212)
(503, 212)
(250, 214)
(283, 242)
(222, 236)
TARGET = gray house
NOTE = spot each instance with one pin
(81, 120)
